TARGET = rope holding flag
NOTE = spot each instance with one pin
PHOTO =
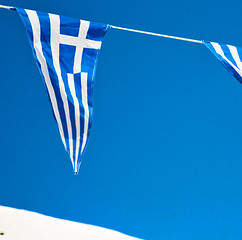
(7, 7)
(137, 31)
(157, 34)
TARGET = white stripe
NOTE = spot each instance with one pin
(235, 55)
(84, 26)
(33, 18)
(219, 50)
(85, 105)
(77, 112)
(54, 38)
(86, 112)
(69, 40)
(81, 39)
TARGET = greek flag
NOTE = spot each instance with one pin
(66, 52)
(229, 56)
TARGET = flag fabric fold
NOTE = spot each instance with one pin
(230, 56)
(66, 52)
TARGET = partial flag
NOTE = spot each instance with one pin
(229, 56)
(66, 51)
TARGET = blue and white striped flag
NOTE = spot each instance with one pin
(66, 52)
(229, 56)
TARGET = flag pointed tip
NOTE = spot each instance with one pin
(76, 167)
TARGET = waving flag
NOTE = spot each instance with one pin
(230, 57)
(66, 52)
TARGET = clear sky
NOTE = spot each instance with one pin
(164, 156)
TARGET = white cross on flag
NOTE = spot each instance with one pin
(66, 52)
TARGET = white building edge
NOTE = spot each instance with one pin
(18, 224)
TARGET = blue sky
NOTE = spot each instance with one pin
(164, 156)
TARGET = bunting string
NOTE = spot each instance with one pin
(136, 31)
(158, 34)
(7, 7)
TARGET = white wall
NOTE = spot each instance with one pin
(24, 225)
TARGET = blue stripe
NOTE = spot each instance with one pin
(228, 54)
(77, 83)
(25, 19)
(45, 41)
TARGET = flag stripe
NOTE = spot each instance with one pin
(86, 108)
(77, 113)
(33, 18)
(55, 30)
